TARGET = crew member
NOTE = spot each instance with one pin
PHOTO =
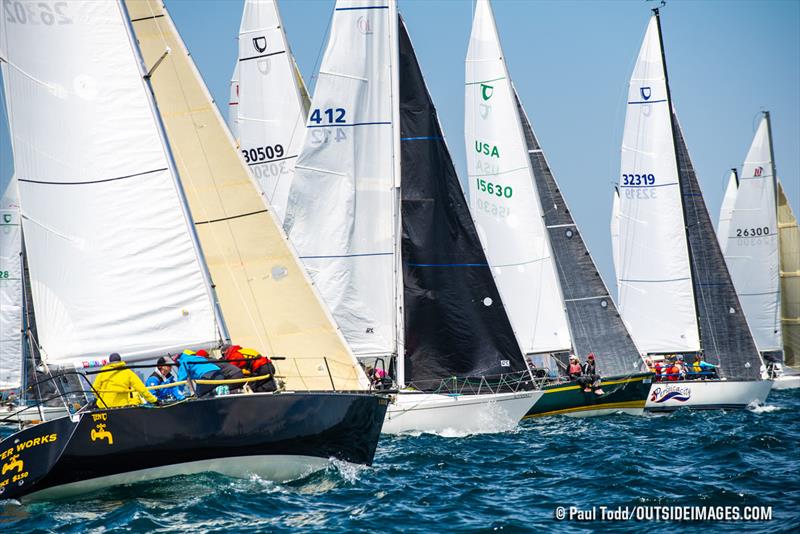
(118, 386)
(703, 368)
(574, 370)
(253, 363)
(195, 367)
(229, 371)
(163, 375)
(590, 377)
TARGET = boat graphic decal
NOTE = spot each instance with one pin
(99, 432)
(676, 393)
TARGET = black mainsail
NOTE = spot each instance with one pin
(455, 322)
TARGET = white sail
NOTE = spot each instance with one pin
(11, 300)
(233, 103)
(271, 115)
(503, 198)
(654, 277)
(726, 211)
(343, 203)
(752, 252)
(113, 266)
(615, 232)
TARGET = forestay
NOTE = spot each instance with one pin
(455, 322)
(752, 244)
(10, 286)
(503, 199)
(268, 302)
(271, 115)
(113, 266)
(726, 210)
(343, 203)
(790, 280)
(654, 278)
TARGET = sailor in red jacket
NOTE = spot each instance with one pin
(253, 363)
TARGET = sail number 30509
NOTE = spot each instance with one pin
(262, 153)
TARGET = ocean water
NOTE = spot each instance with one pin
(503, 482)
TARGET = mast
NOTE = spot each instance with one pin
(397, 237)
(222, 328)
(657, 14)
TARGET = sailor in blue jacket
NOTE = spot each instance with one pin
(163, 375)
(198, 368)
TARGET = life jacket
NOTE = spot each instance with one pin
(673, 371)
(697, 367)
(574, 369)
(249, 360)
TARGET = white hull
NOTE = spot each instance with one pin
(786, 382)
(275, 468)
(722, 394)
(31, 415)
(457, 414)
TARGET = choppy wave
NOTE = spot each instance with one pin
(510, 481)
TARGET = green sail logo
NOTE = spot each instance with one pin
(487, 91)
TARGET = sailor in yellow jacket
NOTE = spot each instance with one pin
(118, 386)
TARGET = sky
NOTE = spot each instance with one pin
(570, 61)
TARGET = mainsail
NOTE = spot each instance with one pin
(11, 303)
(455, 321)
(656, 297)
(271, 113)
(113, 263)
(752, 250)
(503, 198)
(343, 202)
(790, 280)
(263, 291)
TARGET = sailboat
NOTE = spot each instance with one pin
(379, 218)
(550, 285)
(763, 257)
(271, 102)
(116, 266)
(676, 295)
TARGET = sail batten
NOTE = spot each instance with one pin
(267, 300)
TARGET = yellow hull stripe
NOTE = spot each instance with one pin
(602, 383)
(609, 406)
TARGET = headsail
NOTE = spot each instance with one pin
(343, 203)
(726, 337)
(726, 210)
(503, 198)
(113, 266)
(455, 322)
(11, 305)
(268, 301)
(790, 280)
(271, 111)
(751, 250)
(656, 297)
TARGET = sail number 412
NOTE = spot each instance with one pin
(494, 189)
